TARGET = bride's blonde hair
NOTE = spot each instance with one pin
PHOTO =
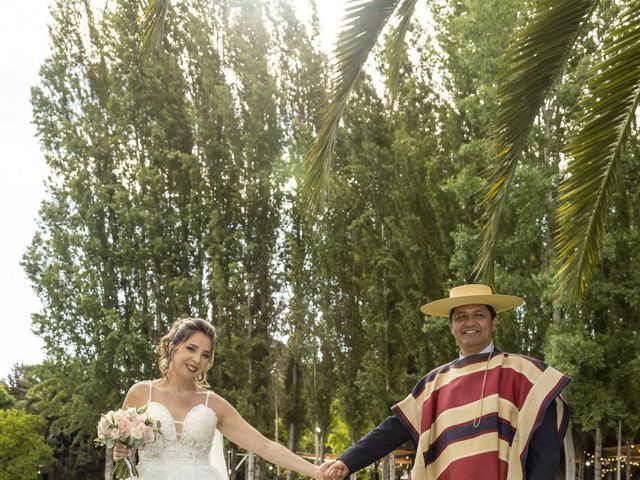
(180, 331)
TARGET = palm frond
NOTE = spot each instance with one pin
(362, 24)
(152, 19)
(535, 60)
(396, 43)
(609, 108)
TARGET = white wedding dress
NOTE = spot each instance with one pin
(193, 454)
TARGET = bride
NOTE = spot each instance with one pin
(190, 414)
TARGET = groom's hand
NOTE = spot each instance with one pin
(324, 469)
(338, 471)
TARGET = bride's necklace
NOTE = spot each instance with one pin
(477, 420)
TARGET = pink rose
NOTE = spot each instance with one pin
(137, 420)
(137, 433)
(124, 425)
(104, 425)
(148, 434)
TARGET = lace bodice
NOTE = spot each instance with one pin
(185, 455)
(194, 443)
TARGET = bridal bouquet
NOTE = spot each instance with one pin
(131, 427)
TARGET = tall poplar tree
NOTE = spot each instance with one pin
(164, 200)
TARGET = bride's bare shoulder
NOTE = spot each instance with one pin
(219, 404)
(137, 395)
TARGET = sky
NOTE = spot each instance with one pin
(24, 46)
(24, 40)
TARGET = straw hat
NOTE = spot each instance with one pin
(474, 293)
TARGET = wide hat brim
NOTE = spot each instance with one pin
(468, 295)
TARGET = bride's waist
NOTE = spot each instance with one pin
(175, 454)
(173, 460)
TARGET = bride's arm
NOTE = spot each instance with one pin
(236, 429)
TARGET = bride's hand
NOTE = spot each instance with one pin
(322, 473)
(121, 451)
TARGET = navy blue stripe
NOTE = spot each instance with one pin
(489, 423)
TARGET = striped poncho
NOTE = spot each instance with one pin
(442, 409)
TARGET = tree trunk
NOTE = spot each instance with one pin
(581, 466)
(597, 464)
(250, 468)
(619, 455)
(569, 455)
(292, 445)
(628, 462)
(389, 467)
(319, 439)
(277, 420)
(232, 462)
(260, 470)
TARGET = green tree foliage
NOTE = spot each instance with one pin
(382, 247)
(165, 199)
(589, 343)
(6, 399)
(23, 451)
(176, 189)
(19, 381)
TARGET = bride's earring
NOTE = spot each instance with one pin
(169, 361)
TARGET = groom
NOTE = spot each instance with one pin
(488, 415)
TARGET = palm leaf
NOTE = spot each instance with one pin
(362, 24)
(153, 18)
(609, 109)
(535, 60)
(396, 43)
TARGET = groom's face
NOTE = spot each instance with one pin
(472, 326)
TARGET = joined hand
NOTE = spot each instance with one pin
(338, 470)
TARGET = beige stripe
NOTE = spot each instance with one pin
(411, 408)
(560, 413)
(523, 366)
(528, 414)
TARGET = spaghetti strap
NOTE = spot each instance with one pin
(149, 400)
(206, 402)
